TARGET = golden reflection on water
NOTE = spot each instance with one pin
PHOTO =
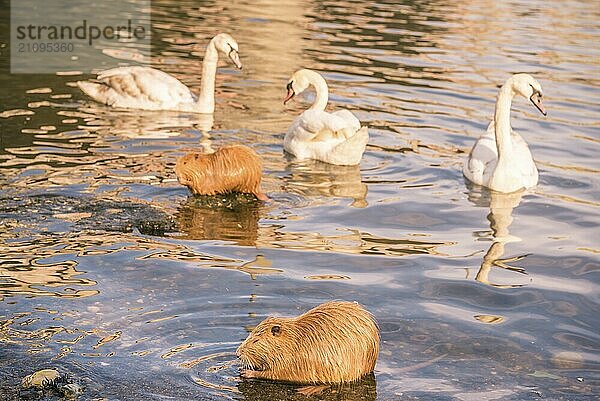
(212, 372)
(400, 247)
(207, 384)
(13, 331)
(25, 270)
(240, 223)
(23, 273)
(176, 350)
(107, 339)
(327, 277)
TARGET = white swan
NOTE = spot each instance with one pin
(500, 159)
(335, 138)
(150, 89)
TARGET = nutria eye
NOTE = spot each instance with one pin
(275, 330)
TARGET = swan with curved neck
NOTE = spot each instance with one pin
(151, 89)
(500, 159)
(335, 138)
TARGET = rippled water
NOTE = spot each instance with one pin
(111, 272)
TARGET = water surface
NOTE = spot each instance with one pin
(111, 272)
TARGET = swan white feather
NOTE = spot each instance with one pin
(147, 88)
(335, 138)
(501, 159)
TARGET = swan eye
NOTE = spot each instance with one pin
(289, 86)
(535, 91)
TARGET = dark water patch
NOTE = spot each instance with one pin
(67, 213)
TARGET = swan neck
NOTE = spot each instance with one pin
(502, 122)
(322, 92)
(206, 100)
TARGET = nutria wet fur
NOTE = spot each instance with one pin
(234, 168)
(334, 342)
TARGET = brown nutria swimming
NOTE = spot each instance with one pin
(334, 342)
(235, 168)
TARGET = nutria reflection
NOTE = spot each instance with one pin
(314, 178)
(232, 217)
(500, 217)
(364, 389)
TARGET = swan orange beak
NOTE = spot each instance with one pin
(290, 93)
(536, 99)
(289, 96)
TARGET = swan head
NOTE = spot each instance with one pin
(227, 45)
(526, 86)
(298, 83)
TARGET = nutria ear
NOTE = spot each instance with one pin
(276, 330)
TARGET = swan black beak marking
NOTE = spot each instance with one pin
(290, 93)
(234, 56)
(536, 99)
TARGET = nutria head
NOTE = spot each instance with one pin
(271, 333)
(186, 173)
(334, 342)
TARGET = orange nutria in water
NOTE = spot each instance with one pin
(235, 168)
(334, 342)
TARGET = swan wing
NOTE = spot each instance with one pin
(482, 159)
(322, 126)
(138, 87)
(523, 161)
(349, 119)
(328, 137)
(316, 126)
(350, 151)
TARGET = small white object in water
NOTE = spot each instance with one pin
(41, 378)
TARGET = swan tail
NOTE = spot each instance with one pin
(350, 151)
(97, 91)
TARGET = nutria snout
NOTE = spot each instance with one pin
(334, 342)
(234, 168)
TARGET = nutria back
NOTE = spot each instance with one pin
(235, 168)
(334, 342)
